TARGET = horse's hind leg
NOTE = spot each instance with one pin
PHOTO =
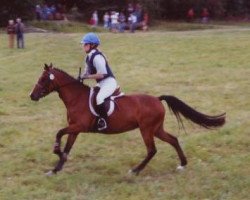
(166, 137)
(148, 139)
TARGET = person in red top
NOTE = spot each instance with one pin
(145, 21)
(204, 15)
(11, 33)
(190, 15)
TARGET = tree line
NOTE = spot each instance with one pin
(157, 9)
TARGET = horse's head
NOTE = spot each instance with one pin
(45, 85)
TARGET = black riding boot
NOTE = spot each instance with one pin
(102, 120)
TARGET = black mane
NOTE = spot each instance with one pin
(61, 71)
(71, 78)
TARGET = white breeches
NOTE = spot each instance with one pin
(107, 87)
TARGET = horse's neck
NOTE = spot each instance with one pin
(70, 90)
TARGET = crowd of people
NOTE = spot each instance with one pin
(191, 15)
(18, 30)
(132, 18)
(50, 12)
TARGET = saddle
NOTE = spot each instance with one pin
(108, 102)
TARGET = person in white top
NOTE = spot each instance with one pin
(95, 18)
(106, 20)
(114, 21)
(98, 68)
(133, 22)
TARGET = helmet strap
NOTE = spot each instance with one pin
(92, 46)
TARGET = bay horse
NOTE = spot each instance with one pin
(132, 111)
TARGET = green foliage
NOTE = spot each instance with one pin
(158, 9)
(208, 69)
(11, 9)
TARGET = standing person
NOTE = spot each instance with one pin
(106, 20)
(130, 8)
(190, 15)
(19, 27)
(133, 22)
(97, 67)
(38, 11)
(122, 22)
(95, 19)
(11, 32)
(205, 15)
(145, 21)
(114, 21)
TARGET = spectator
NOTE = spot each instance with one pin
(204, 15)
(11, 33)
(145, 21)
(138, 12)
(94, 19)
(106, 18)
(38, 12)
(190, 15)
(132, 22)
(44, 12)
(114, 21)
(49, 13)
(130, 8)
(122, 22)
(19, 29)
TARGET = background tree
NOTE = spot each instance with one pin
(11, 9)
(158, 9)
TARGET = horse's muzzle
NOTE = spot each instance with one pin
(34, 97)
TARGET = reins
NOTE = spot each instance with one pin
(64, 85)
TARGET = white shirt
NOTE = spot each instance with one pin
(114, 18)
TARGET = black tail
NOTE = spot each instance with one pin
(178, 106)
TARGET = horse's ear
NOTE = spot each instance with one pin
(51, 65)
(46, 67)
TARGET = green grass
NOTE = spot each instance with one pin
(209, 70)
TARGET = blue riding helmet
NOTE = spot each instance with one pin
(90, 38)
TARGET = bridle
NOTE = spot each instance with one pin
(45, 87)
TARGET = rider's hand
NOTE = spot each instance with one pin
(85, 76)
(80, 79)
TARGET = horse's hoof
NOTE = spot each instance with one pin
(133, 173)
(50, 173)
(180, 168)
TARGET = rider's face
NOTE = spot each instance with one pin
(86, 47)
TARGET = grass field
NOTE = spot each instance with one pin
(207, 69)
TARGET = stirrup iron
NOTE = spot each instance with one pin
(101, 124)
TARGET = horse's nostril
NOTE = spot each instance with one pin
(33, 97)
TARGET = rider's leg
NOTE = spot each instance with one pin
(102, 121)
(107, 87)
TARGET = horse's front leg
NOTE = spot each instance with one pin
(72, 131)
(57, 145)
(63, 158)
